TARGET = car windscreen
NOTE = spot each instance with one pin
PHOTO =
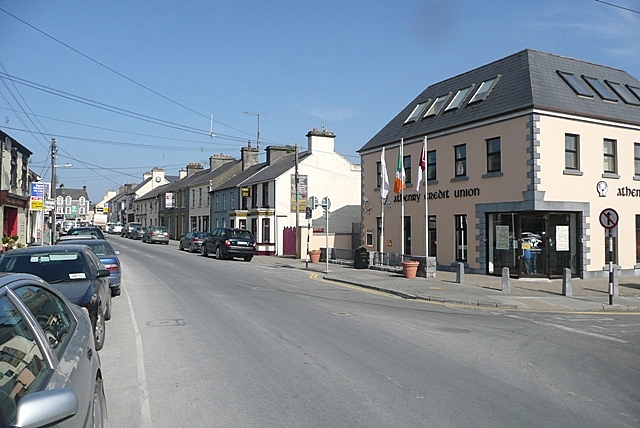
(52, 267)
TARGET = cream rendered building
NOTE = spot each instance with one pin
(523, 156)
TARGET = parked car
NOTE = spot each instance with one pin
(227, 243)
(137, 233)
(75, 271)
(192, 241)
(86, 230)
(116, 228)
(106, 253)
(51, 368)
(154, 234)
(66, 225)
(128, 228)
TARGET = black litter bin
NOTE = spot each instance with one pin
(361, 258)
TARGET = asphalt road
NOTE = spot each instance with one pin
(198, 342)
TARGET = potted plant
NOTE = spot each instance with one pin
(410, 268)
(314, 256)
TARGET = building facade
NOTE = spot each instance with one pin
(522, 157)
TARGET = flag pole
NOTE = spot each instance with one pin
(384, 191)
(401, 161)
(426, 210)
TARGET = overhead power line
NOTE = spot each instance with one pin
(618, 6)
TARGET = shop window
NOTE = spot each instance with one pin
(494, 155)
(431, 165)
(610, 156)
(636, 159)
(406, 162)
(194, 223)
(461, 160)
(572, 152)
(254, 227)
(461, 238)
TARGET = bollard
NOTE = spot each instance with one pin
(567, 287)
(506, 284)
(460, 274)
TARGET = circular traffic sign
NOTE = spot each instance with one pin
(609, 218)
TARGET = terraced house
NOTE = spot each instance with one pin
(523, 155)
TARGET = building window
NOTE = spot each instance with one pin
(461, 160)
(254, 227)
(637, 238)
(406, 162)
(415, 114)
(194, 223)
(493, 155)
(610, 156)
(232, 203)
(224, 202)
(461, 238)
(266, 230)
(575, 84)
(457, 100)
(193, 198)
(209, 196)
(200, 197)
(67, 210)
(254, 198)
(636, 159)
(379, 175)
(433, 237)
(67, 200)
(217, 202)
(81, 211)
(436, 106)
(483, 90)
(571, 152)
(265, 194)
(14, 167)
(431, 165)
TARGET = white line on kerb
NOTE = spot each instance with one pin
(145, 417)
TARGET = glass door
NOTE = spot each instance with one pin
(532, 242)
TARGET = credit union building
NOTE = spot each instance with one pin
(523, 157)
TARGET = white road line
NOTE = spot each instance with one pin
(145, 417)
(575, 330)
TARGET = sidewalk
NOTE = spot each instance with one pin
(485, 291)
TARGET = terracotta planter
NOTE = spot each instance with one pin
(314, 256)
(410, 268)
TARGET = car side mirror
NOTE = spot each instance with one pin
(117, 252)
(103, 272)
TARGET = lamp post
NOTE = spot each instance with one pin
(54, 152)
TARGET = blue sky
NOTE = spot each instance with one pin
(349, 66)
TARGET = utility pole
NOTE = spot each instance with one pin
(258, 136)
(54, 152)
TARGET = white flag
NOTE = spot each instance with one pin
(421, 165)
(384, 189)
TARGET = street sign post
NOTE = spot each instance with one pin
(609, 220)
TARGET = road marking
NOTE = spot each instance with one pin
(575, 330)
(145, 410)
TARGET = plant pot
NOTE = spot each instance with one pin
(410, 268)
(314, 256)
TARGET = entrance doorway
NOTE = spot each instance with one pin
(532, 246)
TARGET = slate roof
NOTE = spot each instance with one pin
(239, 177)
(74, 193)
(276, 169)
(527, 79)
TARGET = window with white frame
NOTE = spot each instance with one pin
(610, 163)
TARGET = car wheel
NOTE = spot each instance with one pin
(99, 332)
(99, 407)
(218, 253)
(247, 258)
(203, 251)
(180, 247)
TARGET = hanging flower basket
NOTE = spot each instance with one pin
(314, 256)
(410, 268)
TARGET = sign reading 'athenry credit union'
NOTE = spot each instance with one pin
(440, 194)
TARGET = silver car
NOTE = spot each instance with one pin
(51, 374)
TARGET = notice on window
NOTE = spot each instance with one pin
(502, 238)
(562, 238)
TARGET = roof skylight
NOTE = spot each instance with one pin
(634, 90)
(457, 100)
(604, 92)
(623, 93)
(436, 106)
(483, 90)
(575, 84)
(417, 111)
